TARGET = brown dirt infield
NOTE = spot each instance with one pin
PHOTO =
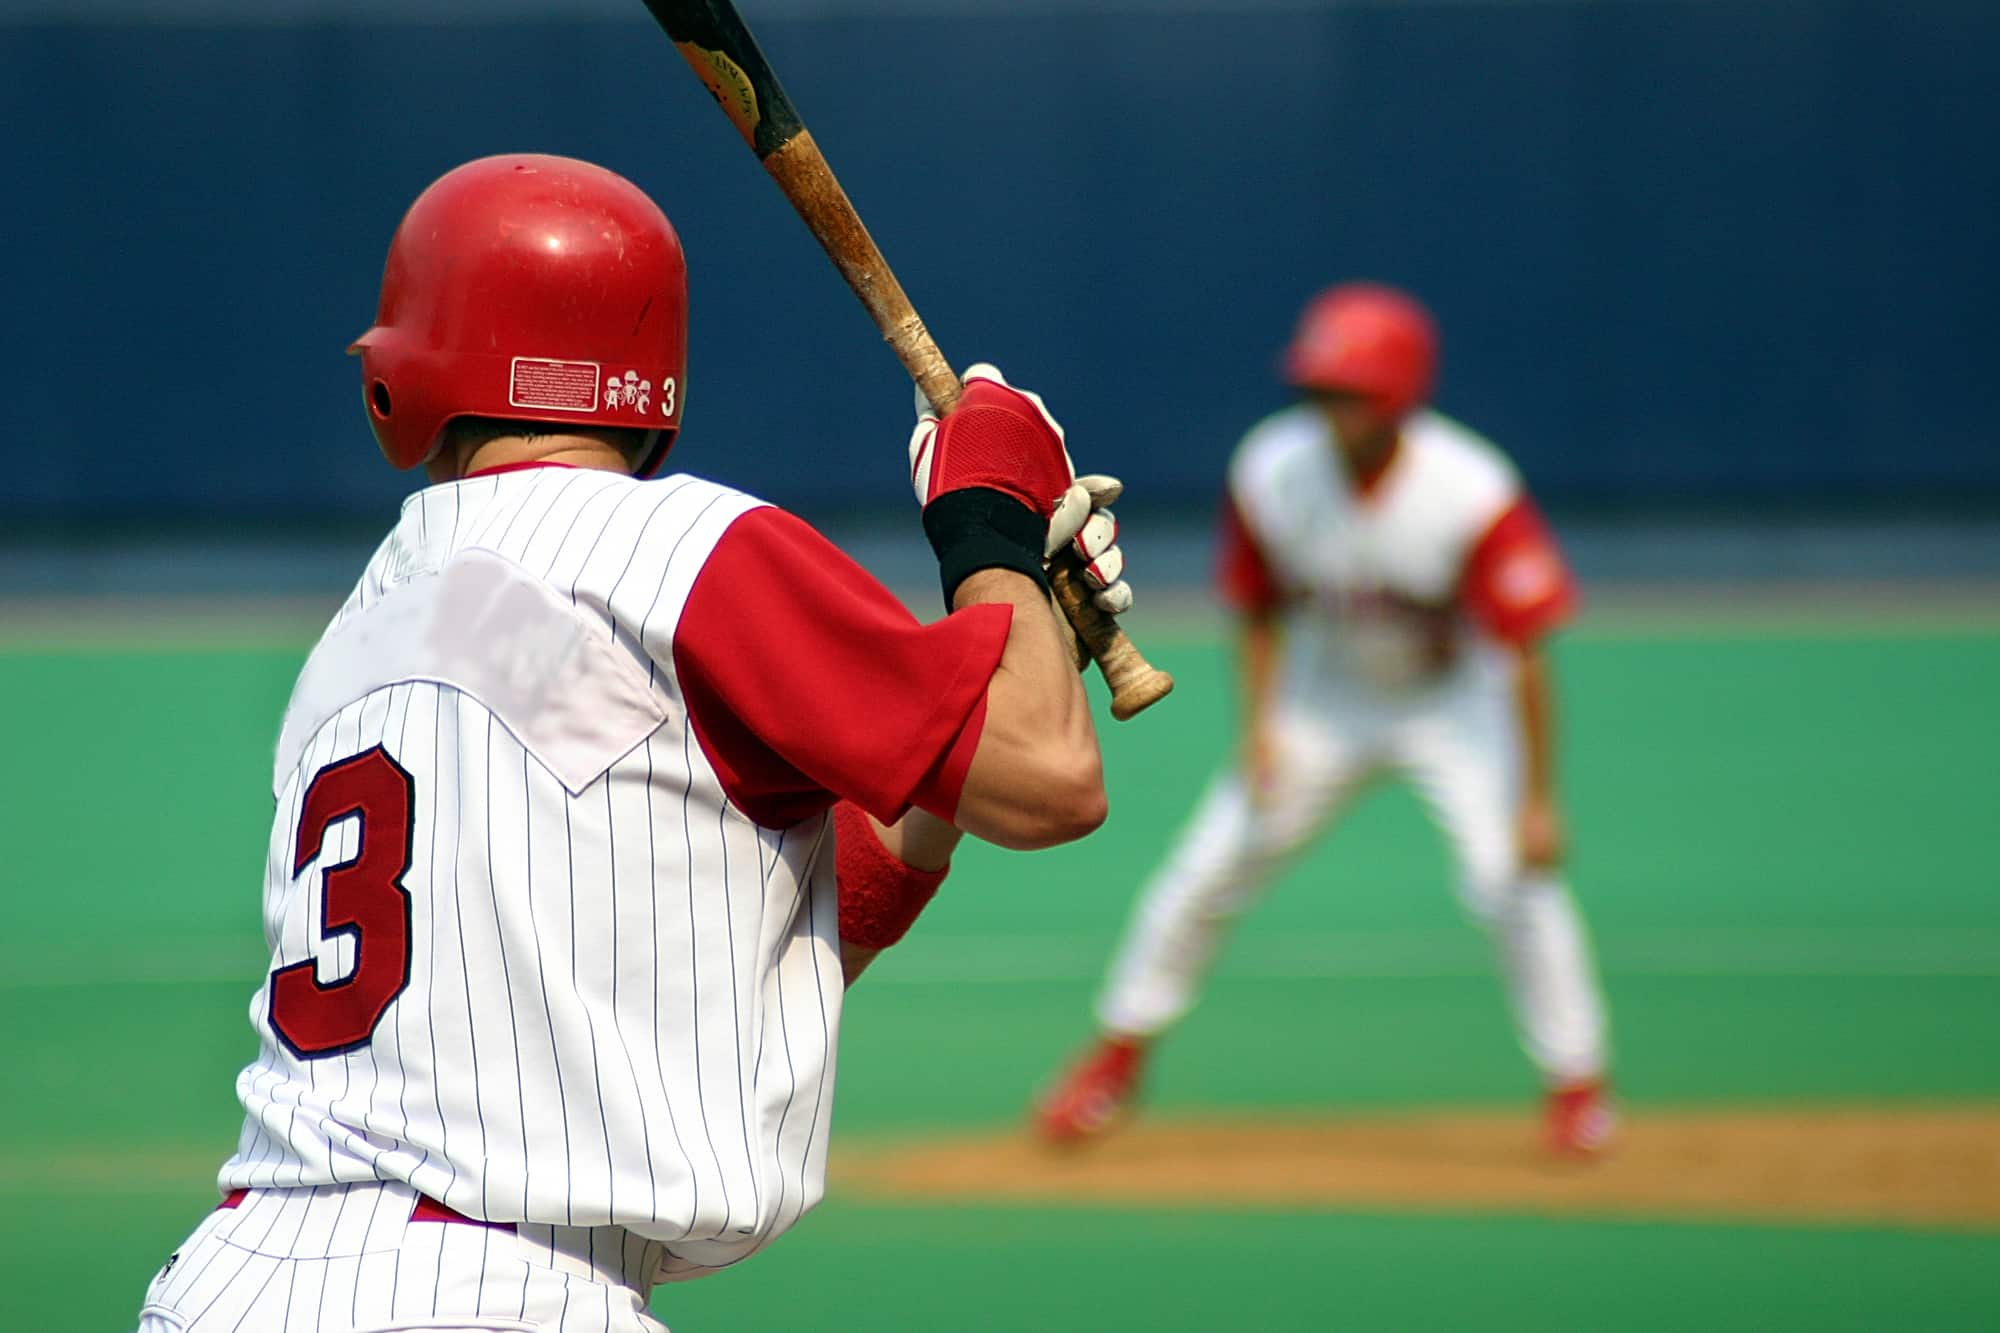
(1906, 1166)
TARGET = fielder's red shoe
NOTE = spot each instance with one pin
(1579, 1118)
(1094, 1095)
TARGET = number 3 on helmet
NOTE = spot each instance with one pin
(529, 288)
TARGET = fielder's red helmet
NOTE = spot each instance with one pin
(530, 288)
(1365, 338)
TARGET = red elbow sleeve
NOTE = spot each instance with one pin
(880, 896)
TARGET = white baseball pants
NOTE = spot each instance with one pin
(1460, 746)
(352, 1258)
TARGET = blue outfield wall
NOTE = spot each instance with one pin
(1710, 251)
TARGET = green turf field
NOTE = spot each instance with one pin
(1783, 837)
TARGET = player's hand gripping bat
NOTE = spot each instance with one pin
(711, 36)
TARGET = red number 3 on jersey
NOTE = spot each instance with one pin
(363, 897)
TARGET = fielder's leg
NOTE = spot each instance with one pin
(1466, 761)
(1226, 855)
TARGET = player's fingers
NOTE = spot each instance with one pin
(1104, 491)
(923, 452)
(1106, 569)
(1115, 600)
(1072, 511)
(1098, 534)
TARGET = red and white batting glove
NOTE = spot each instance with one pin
(1095, 546)
(995, 481)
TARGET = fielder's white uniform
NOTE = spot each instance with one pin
(555, 972)
(1397, 600)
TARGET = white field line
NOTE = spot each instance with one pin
(1017, 960)
(1429, 955)
(1613, 612)
(180, 1170)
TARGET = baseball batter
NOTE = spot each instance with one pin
(1393, 584)
(558, 912)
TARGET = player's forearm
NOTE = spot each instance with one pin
(1036, 779)
(1534, 700)
(918, 839)
(854, 960)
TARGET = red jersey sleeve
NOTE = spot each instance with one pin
(1516, 584)
(1243, 577)
(805, 680)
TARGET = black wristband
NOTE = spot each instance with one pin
(980, 528)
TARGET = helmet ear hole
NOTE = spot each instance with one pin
(378, 398)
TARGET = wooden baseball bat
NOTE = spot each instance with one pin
(712, 38)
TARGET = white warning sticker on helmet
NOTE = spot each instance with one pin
(564, 386)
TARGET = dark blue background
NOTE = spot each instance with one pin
(1714, 252)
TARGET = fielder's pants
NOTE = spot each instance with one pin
(1459, 744)
(378, 1258)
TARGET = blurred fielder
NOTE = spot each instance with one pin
(1393, 585)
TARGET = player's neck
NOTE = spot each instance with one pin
(515, 451)
(1368, 463)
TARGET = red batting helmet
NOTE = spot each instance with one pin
(530, 288)
(1365, 338)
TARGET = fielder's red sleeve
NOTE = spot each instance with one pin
(1516, 584)
(805, 680)
(1243, 577)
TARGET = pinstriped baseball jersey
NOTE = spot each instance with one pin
(1382, 576)
(549, 893)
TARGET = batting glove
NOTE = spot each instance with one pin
(1095, 546)
(995, 481)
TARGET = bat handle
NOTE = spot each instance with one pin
(1135, 683)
